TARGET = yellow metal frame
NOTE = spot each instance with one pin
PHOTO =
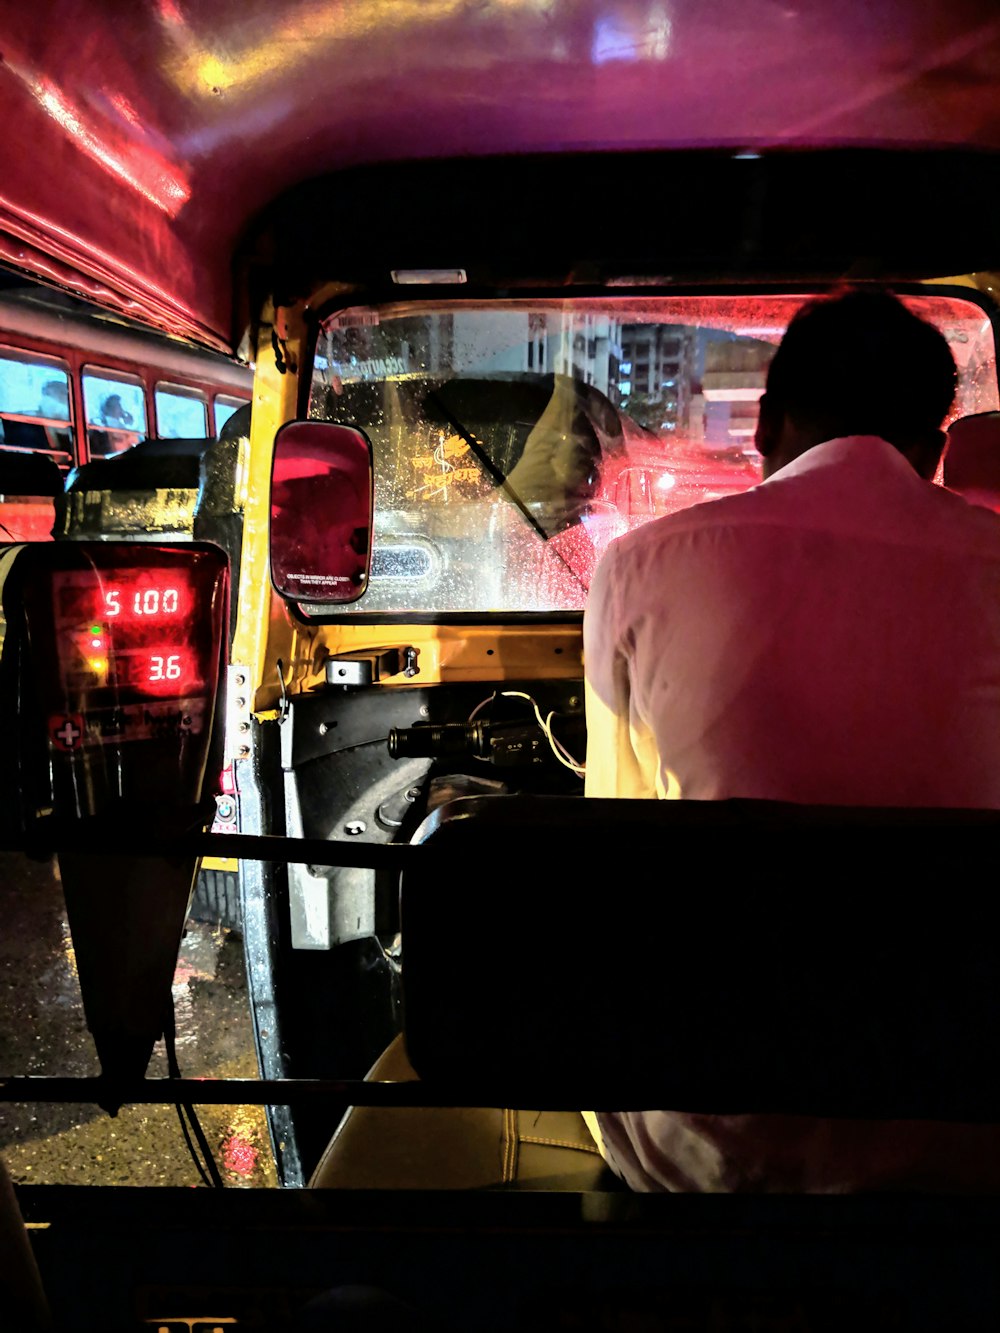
(279, 651)
(264, 633)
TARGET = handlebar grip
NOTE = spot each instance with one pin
(432, 740)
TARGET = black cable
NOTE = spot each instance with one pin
(283, 711)
(174, 1071)
(190, 1146)
(213, 1176)
(199, 1134)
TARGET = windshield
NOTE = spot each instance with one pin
(514, 440)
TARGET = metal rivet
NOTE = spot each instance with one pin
(413, 793)
(241, 679)
(243, 751)
(354, 827)
(241, 703)
(323, 728)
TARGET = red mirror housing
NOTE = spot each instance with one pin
(321, 512)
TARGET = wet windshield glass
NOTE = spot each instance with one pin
(514, 440)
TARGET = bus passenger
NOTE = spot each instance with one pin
(54, 401)
(830, 637)
(113, 412)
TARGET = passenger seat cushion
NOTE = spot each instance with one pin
(457, 1147)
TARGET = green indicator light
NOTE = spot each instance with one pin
(97, 629)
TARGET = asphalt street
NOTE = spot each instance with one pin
(43, 1031)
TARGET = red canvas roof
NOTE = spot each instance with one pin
(140, 139)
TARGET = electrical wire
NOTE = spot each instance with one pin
(205, 1178)
(482, 704)
(545, 726)
(283, 711)
(558, 749)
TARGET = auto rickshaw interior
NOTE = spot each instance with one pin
(559, 387)
(540, 354)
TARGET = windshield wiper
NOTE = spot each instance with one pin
(499, 477)
(486, 462)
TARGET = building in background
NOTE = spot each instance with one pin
(657, 375)
(732, 384)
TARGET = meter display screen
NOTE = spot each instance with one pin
(119, 647)
(128, 630)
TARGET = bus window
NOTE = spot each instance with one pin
(35, 404)
(181, 413)
(115, 408)
(224, 409)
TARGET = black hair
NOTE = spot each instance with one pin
(858, 362)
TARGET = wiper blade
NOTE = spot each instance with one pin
(487, 463)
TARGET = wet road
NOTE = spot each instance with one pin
(43, 1031)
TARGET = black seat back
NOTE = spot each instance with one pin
(150, 489)
(147, 466)
(23, 473)
(727, 957)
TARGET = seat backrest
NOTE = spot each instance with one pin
(971, 463)
(148, 490)
(147, 466)
(727, 957)
(23, 473)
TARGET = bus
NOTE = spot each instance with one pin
(79, 384)
(501, 307)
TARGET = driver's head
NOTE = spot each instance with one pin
(857, 362)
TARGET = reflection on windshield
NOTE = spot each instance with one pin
(514, 440)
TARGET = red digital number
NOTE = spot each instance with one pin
(165, 667)
(142, 601)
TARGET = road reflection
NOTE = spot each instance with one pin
(43, 1031)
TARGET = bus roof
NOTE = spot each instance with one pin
(150, 136)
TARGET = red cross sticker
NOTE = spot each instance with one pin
(66, 731)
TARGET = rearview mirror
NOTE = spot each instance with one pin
(321, 512)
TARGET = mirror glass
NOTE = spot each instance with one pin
(321, 512)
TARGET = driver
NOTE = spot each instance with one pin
(831, 636)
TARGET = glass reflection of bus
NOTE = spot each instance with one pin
(77, 385)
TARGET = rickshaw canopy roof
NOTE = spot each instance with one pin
(143, 140)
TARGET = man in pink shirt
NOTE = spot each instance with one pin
(831, 636)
